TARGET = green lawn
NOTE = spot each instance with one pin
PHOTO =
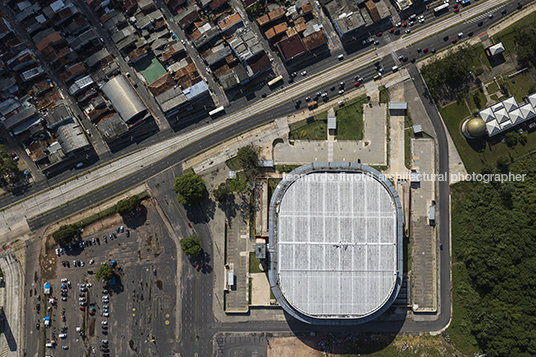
(150, 68)
(506, 36)
(522, 85)
(476, 100)
(315, 130)
(480, 58)
(350, 121)
(254, 263)
(492, 87)
(384, 95)
(476, 153)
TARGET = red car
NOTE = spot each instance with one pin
(404, 24)
(82, 308)
(391, 30)
(425, 50)
(357, 84)
(455, 40)
(456, 10)
(379, 34)
(455, 6)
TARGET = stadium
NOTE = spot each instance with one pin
(335, 245)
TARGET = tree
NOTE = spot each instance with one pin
(523, 138)
(511, 139)
(8, 168)
(128, 205)
(248, 158)
(221, 193)
(191, 246)
(190, 189)
(502, 163)
(238, 185)
(105, 272)
(65, 234)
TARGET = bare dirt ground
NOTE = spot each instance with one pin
(361, 345)
(293, 346)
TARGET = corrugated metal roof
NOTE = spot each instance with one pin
(124, 99)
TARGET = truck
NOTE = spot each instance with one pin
(312, 105)
(47, 320)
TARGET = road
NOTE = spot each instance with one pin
(194, 282)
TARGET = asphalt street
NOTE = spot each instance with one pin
(199, 284)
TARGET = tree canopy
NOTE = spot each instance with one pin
(191, 246)
(525, 40)
(65, 234)
(221, 193)
(248, 159)
(8, 168)
(190, 189)
(128, 205)
(494, 235)
(105, 273)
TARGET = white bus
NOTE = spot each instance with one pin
(275, 80)
(216, 111)
(441, 8)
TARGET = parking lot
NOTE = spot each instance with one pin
(135, 315)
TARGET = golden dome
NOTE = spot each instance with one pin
(476, 127)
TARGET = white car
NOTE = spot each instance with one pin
(82, 285)
(460, 35)
(62, 335)
(104, 322)
(89, 285)
(81, 263)
(341, 91)
(304, 73)
(106, 314)
(421, 20)
(91, 261)
(105, 297)
(64, 280)
(81, 299)
(58, 252)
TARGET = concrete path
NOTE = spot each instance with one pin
(397, 148)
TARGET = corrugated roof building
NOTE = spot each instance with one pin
(124, 99)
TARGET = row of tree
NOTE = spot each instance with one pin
(494, 235)
(66, 233)
(191, 189)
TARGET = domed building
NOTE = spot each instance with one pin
(474, 128)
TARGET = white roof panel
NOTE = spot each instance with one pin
(487, 115)
(337, 244)
(493, 127)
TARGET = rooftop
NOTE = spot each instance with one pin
(335, 243)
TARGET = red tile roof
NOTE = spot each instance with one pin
(50, 39)
(315, 40)
(291, 47)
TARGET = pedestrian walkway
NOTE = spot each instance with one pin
(423, 236)
(397, 148)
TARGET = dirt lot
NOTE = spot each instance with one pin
(293, 346)
(361, 345)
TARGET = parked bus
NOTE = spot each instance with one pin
(275, 80)
(441, 8)
(216, 111)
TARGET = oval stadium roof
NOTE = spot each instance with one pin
(335, 249)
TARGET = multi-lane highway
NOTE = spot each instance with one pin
(205, 327)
